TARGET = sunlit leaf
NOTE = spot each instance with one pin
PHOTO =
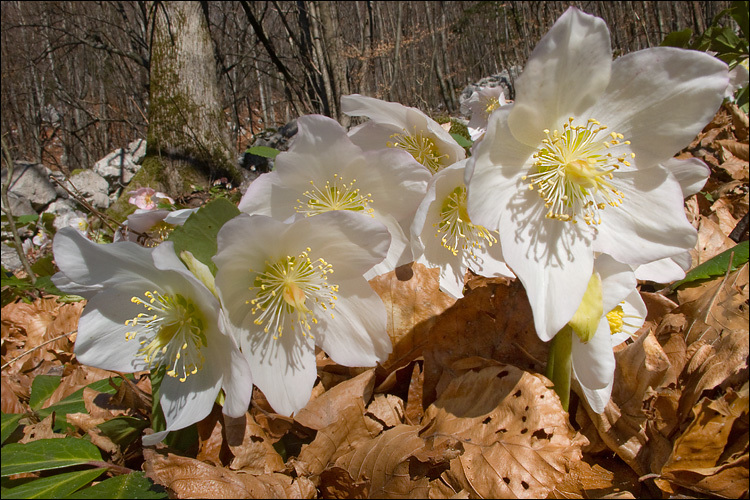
(41, 389)
(74, 403)
(134, 485)
(9, 424)
(716, 266)
(263, 151)
(198, 234)
(46, 454)
(58, 486)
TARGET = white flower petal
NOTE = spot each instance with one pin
(399, 251)
(660, 99)
(691, 173)
(355, 335)
(597, 398)
(618, 280)
(650, 224)
(188, 402)
(565, 74)
(665, 270)
(284, 369)
(89, 264)
(594, 361)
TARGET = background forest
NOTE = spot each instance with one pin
(75, 74)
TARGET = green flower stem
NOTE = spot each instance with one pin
(559, 363)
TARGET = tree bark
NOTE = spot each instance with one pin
(188, 139)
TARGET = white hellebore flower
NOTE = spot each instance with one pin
(692, 174)
(443, 235)
(289, 286)
(145, 310)
(572, 167)
(623, 314)
(394, 125)
(324, 171)
(481, 104)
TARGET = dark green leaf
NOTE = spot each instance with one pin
(680, 39)
(134, 485)
(462, 141)
(198, 234)
(9, 424)
(716, 266)
(263, 151)
(41, 389)
(44, 266)
(74, 402)
(45, 454)
(123, 430)
(57, 486)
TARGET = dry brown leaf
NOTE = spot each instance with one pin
(517, 439)
(191, 478)
(736, 148)
(383, 462)
(700, 460)
(336, 482)
(387, 410)
(12, 391)
(492, 321)
(74, 377)
(739, 120)
(41, 430)
(725, 360)
(723, 210)
(642, 367)
(212, 447)
(413, 300)
(347, 431)
(711, 241)
(252, 449)
(414, 410)
(323, 410)
(596, 481)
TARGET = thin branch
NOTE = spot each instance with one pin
(36, 348)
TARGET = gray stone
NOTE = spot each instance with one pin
(119, 167)
(19, 205)
(31, 181)
(9, 256)
(92, 187)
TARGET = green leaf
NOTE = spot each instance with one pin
(74, 403)
(57, 486)
(198, 234)
(680, 39)
(461, 140)
(45, 454)
(9, 424)
(133, 485)
(716, 266)
(263, 151)
(123, 430)
(41, 389)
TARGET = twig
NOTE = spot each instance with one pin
(36, 348)
(6, 208)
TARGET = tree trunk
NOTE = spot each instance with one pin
(188, 139)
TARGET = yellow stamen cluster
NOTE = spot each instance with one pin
(492, 104)
(173, 333)
(336, 195)
(283, 289)
(618, 320)
(422, 148)
(455, 230)
(573, 170)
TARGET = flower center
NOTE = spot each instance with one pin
(283, 289)
(422, 148)
(492, 104)
(336, 195)
(173, 331)
(458, 233)
(616, 320)
(573, 170)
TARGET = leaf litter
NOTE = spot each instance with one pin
(461, 408)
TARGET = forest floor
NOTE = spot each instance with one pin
(460, 409)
